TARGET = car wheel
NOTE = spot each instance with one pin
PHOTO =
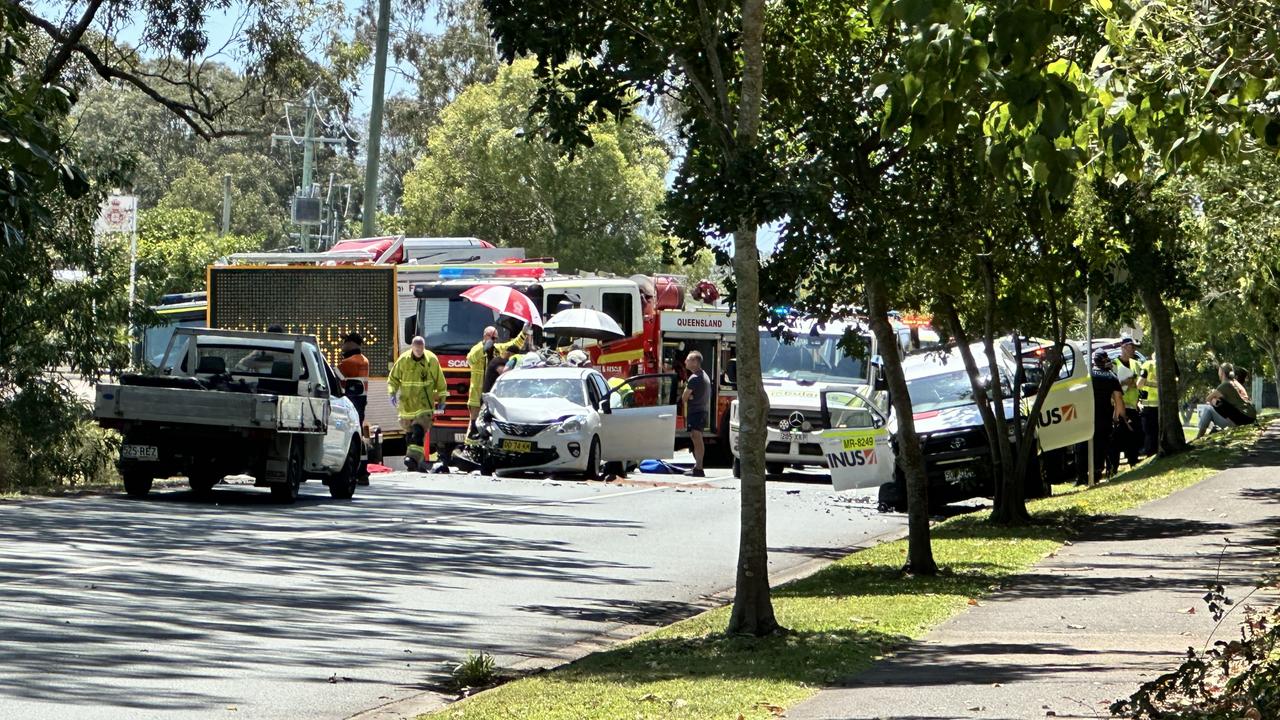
(342, 484)
(202, 482)
(737, 467)
(1034, 484)
(774, 468)
(287, 491)
(594, 470)
(136, 484)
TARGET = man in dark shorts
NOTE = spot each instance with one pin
(697, 398)
(1108, 410)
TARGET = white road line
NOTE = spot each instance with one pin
(320, 534)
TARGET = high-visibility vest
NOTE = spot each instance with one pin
(624, 391)
(1150, 386)
(1131, 394)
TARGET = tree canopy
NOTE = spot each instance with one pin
(479, 175)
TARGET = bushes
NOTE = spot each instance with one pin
(48, 440)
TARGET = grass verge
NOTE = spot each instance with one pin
(841, 619)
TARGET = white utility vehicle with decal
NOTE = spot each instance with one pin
(226, 403)
(796, 373)
(957, 451)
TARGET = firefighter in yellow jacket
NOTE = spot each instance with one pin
(478, 360)
(416, 385)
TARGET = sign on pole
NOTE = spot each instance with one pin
(119, 214)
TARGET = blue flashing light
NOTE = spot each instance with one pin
(454, 273)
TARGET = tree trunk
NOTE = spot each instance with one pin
(910, 456)
(752, 605)
(1010, 506)
(1172, 439)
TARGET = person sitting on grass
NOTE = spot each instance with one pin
(1226, 405)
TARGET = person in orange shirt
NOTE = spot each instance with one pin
(355, 370)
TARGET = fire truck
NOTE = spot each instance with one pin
(365, 286)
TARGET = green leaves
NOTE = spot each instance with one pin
(486, 171)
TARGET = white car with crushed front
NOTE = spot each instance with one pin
(568, 419)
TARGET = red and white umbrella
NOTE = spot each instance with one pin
(506, 300)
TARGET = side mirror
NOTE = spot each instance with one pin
(881, 383)
(604, 406)
(410, 329)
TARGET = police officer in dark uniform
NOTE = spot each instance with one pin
(1108, 411)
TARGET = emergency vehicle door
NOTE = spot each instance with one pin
(638, 418)
(856, 440)
(1066, 418)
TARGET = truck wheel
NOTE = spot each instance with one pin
(593, 461)
(287, 491)
(202, 483)
(893, 495)
(136, 484)
(342, 484)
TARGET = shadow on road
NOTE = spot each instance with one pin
(186, 589)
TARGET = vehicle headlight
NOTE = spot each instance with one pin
(572, 425)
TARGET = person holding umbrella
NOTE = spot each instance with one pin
(478, 360)
(417, 389)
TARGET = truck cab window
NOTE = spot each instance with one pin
(618, 305)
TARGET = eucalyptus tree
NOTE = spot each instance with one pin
(599, 60)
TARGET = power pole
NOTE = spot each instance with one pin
(226, 203)
(308, 157)
(369, 214)
(308, 141)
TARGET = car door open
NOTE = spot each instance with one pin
(638, 418)
(856, 440)
(1066, 417)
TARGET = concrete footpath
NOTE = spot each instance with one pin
(1090, 624)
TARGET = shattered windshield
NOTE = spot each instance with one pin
(527, 388)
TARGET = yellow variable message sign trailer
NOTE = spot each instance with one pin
(327, 302)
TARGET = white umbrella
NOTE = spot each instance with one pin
(583, 323)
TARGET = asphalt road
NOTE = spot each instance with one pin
(235, 607)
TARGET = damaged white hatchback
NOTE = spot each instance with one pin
(572, 420)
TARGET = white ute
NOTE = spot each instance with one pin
(225, 403)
